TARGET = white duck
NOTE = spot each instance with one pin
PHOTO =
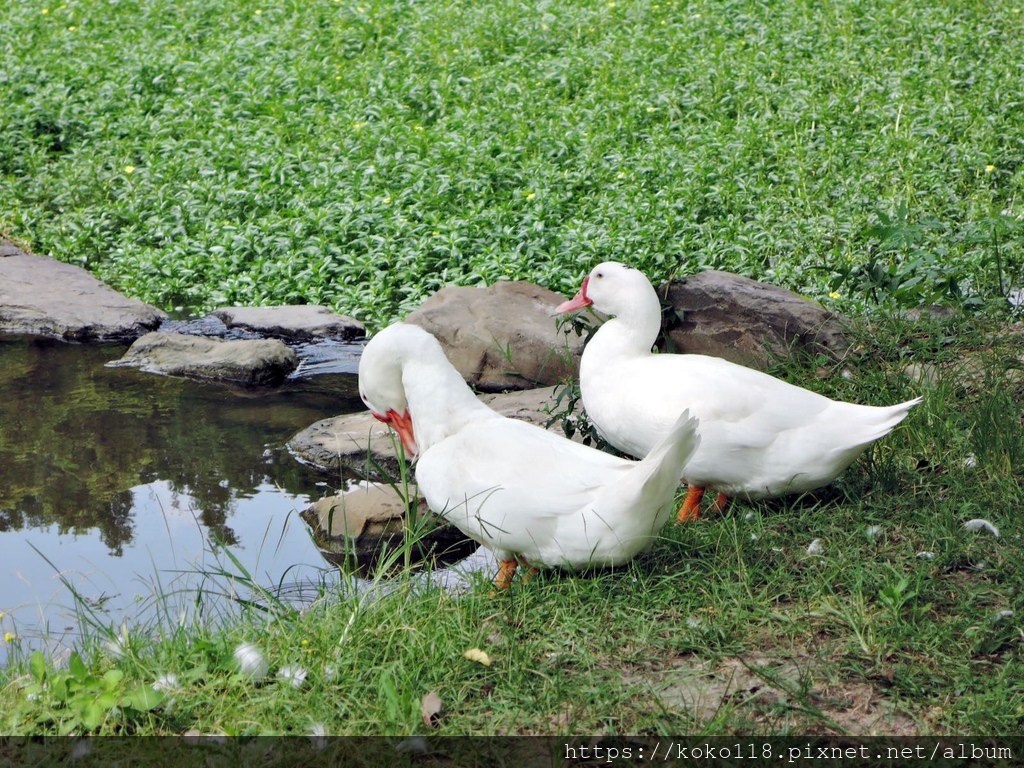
(530, 495)
(760, 436)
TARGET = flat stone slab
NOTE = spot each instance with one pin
(356, 527)
(747, 321)
(40, 296)
(300, 322)
(355, 441)
(249, 362)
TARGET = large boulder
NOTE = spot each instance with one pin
(40, 296)
(361, 444)
(248, 362)
(503, 337)
(298, 323)
(746, 321)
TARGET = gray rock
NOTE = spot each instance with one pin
(748, 322)
(924, 375)
(357, 527)
(360, 443)
(300, 323)
(503, 337)
(248, 362)
(40, 296)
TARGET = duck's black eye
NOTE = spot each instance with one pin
(599, 275)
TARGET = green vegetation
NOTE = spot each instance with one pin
(363, 153)
(728, 625)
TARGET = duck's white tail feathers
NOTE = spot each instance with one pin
(678, 446)
(656, 477)
(635, 506)
(883, 422)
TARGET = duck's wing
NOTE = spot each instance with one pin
(521, 489)
(510, 484)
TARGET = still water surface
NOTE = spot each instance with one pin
(119, 482)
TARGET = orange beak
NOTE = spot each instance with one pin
(402, 424)
(577, 302)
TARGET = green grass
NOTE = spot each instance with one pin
(364, 153)
(727, 626)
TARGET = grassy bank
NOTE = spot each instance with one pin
(899, 621)
(364, 153)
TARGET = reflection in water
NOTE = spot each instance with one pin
(113, 474)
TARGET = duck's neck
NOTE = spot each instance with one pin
(440, 402)
(632, 332)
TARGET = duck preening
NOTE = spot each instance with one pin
(532, 496)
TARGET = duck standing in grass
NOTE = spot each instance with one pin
(760, 436)
(530, 495)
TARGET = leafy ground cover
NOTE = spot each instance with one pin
(363, 154)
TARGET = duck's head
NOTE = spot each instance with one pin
(610, 288)
(380, 377)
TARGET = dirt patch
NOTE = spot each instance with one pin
(792, 692)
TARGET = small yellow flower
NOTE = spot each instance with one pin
(257, 11)
(387, 199)
(72, 28)
(129, 169)
(833, 294)
(45, 11)
(611, 5)
(530, 195)
(304, 641)
(989, 168)
(417, 127)
(9, 637)
(621, 175)
(652, 109)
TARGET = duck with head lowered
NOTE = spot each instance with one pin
(760, 436)
(530, 495)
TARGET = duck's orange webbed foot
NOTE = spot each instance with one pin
(506, 572)
(691, 507)
(721, 503)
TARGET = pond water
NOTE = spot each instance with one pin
(118, 484)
